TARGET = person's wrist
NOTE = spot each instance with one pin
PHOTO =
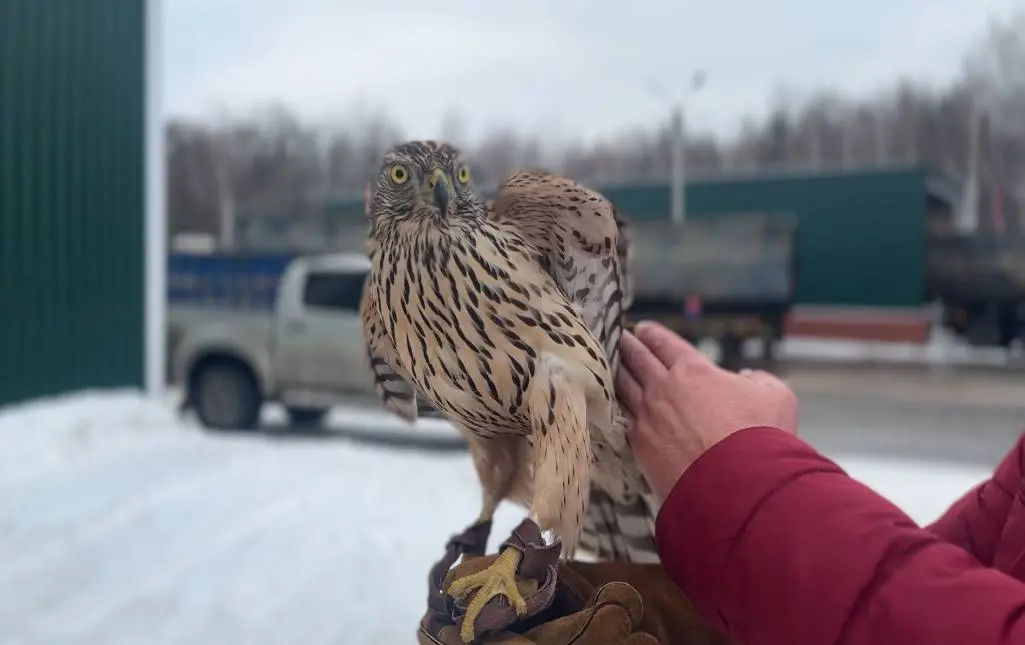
(668, 474)
(676, 464)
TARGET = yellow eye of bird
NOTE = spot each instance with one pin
(398, 174)
(463, 175)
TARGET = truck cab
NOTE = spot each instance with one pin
(306, 352)
(318, 337)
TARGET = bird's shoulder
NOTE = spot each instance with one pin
(585, 246)
(543, 203)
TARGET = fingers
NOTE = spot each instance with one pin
(665, 345)
(640, 361)
(630, 392)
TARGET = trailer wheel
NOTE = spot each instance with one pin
(731, 352)
(770, 345)
(1010, 326)
(769, 349)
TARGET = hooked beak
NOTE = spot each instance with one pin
(440, 190)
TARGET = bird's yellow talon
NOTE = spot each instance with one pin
(499, 579)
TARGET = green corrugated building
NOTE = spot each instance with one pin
(73, 198)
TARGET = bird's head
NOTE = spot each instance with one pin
(423, 179)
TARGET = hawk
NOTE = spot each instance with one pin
(506, 316)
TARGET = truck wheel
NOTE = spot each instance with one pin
(731, 356)
(770, 349)
(226, 396)
(305, 417)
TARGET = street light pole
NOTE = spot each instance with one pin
(968, 212)
(678, 148)
(678, 173)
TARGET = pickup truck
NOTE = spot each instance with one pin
(302, 346)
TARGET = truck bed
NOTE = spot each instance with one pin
(743, 259)
(251, 327)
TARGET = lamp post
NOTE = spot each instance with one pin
(678, 145)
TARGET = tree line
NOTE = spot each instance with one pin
(272, 161)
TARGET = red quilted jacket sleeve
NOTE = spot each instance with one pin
(776, 545)
(975, 521)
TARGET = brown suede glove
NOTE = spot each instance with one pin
(576, 603)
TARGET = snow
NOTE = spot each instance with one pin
(943, 348)
(922, 489)
(122, 524)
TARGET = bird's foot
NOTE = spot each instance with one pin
(499, 579)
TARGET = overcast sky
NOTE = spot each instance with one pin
(566, 68)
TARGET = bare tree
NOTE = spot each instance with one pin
(275, 163)
(995, 76)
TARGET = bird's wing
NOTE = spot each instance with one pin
(578, 231)
(588, 252)
(392, 385)
(625, 251)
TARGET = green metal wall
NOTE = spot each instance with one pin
(71, 195)
(860, 238)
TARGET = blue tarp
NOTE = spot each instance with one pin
(225, 279)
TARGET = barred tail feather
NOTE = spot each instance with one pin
(621, 531)
(395, 393)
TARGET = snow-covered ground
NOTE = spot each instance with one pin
(122, 525)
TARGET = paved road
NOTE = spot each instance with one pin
(835, 424)
(965, 416)
(873, 425)
(960, 415)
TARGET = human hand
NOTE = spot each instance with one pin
(683, 404)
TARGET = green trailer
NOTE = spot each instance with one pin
(861, 233)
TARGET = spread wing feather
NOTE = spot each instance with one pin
(577, 230)
(586, 248)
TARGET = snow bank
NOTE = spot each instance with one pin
(109, 410)
(943, 348)
(55, 432)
